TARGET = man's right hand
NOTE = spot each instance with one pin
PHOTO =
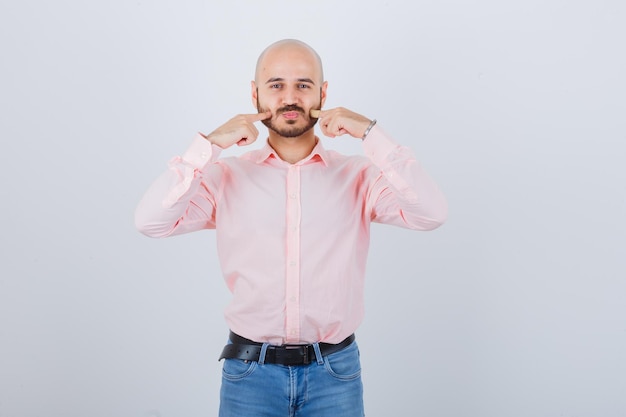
(240, 130)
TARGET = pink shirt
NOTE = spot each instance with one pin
(292, 238)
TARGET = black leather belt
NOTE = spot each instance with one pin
(245, 349)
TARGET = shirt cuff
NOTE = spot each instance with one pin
(201, 152)
(377, 145)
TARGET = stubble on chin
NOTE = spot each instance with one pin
(288, 131)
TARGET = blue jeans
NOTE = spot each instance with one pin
(328, 387)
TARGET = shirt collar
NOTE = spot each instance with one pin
(317, 154)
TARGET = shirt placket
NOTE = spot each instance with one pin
(292, 285)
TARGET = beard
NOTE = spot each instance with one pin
(288, 131)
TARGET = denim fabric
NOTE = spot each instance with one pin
(328, 387)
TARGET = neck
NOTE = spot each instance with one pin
(293, 149)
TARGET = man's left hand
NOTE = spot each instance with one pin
(340, 121)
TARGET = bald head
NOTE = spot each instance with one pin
(289, 50)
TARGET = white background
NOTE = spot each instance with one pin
(515, 307)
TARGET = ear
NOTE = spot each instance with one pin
(254, 94)
(323, 93)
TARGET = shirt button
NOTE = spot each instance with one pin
(292, 299)
(293, 195)
(203, 155)
(292, 263)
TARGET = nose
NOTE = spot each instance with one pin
(291, 95)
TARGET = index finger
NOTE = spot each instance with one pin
(256, 117)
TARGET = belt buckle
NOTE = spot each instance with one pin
(303, 348)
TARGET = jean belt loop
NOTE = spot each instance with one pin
(263, 352)
(318, 353)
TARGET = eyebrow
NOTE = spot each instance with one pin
(300, 80)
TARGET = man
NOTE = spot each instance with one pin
(292, 222)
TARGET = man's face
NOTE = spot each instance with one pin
(289, 85)
(290, 120)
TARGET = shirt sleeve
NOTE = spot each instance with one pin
(402, 194)
(182, 199)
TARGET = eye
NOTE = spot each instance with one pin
(304, 86)
(275, 86)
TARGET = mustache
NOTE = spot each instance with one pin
(290, 107)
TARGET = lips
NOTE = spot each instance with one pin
(291, 115)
